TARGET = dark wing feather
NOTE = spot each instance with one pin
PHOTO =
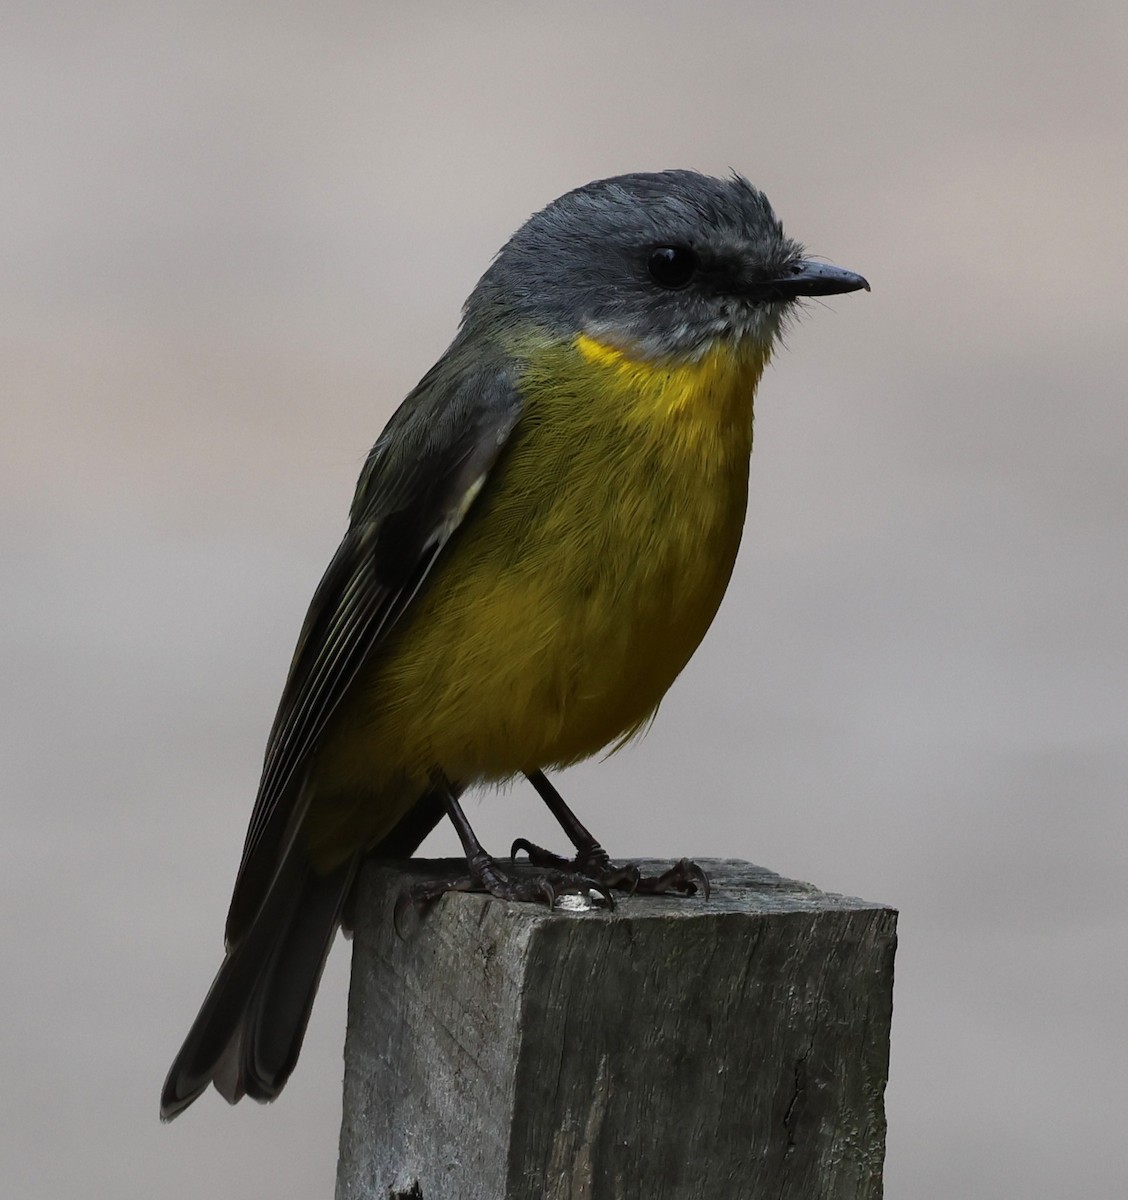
(415, 489)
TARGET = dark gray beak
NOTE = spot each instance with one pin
(806, 278)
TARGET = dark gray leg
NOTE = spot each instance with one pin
(592, 860)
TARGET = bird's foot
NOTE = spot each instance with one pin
(536, 882)
(594, 863)
(685, 877)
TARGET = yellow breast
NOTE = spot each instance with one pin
(581, 582)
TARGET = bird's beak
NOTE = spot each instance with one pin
(806, 278)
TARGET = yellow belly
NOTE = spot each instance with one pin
(581, 582)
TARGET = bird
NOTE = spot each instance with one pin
(539, 540)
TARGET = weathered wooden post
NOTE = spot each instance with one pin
(674, 1049)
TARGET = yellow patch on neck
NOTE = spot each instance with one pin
(724, 373)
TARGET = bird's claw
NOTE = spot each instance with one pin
(419, 897)
(537, 855)
(593, 864)
(684, 877)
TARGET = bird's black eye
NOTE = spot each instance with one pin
(671, 266)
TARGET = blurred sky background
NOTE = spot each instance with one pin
(232, 237)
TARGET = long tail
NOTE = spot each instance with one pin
(250, 1027)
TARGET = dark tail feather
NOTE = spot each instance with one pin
(278, 1013)
(250, 1027)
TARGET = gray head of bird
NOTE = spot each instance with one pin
(656, 265)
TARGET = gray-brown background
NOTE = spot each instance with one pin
(234, 235)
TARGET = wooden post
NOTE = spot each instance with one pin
(675, 1049)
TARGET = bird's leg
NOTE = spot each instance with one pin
(540, 881)
(590, 857)
(592, 860)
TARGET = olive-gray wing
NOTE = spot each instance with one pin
(416, 488)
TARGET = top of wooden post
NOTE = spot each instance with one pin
(673, 1047)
